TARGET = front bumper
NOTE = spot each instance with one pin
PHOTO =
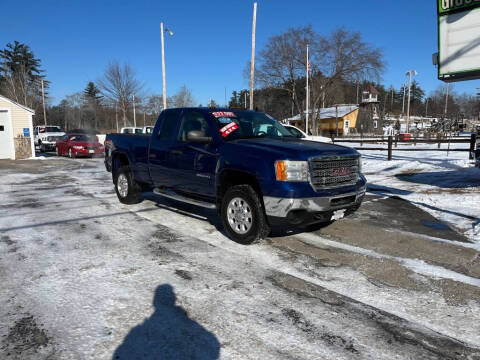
(85, 152)
(48, 145)
(297, 211)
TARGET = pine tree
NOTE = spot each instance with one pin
(21, 75)
(92, 99)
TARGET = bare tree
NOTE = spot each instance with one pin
(281, 62)
(154, 104)
(183, 98)
(119, 83)
(341, 56)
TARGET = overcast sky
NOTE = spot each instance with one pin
(211, 44)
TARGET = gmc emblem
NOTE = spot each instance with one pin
(340, 171)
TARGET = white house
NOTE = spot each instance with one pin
(16, 130)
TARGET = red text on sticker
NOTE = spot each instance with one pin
(228, 129)
(223, 114)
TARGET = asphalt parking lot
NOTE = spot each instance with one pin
(83, 276)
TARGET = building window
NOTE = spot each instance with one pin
(375, 124)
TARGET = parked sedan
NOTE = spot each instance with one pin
(301, 135)
(79, 145)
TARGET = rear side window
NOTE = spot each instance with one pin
(193, 121)
(169, 125)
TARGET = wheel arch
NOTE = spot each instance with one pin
(229, 177)
(119, 159)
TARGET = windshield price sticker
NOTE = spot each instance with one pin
(225, 120)
(223, 114)
(228, 129)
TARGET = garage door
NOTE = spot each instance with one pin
(5, 140)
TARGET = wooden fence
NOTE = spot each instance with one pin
(393, 141)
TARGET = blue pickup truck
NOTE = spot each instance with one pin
(245, 164)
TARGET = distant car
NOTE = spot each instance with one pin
(301, 135)
(79, 145)
(46, 137)
(148, 129)
(131, 130)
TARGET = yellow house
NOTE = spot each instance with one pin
(343, 116)
(16, 130)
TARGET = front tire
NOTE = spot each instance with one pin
(243, 216)
(128, 190)
(71, 154)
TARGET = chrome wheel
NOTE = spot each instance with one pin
(56, 151)
(122, 185)
(239, 215)
(70, 153)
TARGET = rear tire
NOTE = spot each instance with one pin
(243, 216)
(128, 190)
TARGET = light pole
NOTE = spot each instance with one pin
(409, 73)
(163, 64)
(252, 61)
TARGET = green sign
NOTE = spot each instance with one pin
(449, 6)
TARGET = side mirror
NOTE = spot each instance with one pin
(199, 137)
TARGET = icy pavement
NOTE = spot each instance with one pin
(84, 277)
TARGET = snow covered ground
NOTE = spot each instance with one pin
(85, 277)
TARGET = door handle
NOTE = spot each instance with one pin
(176, 152)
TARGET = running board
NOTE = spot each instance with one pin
(173, 195)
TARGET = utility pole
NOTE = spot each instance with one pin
(409, 73)
(245, 99)
(163, 69)
(446, 101)
(426, 107)
(144, 122)
(252, 62)
(162, 30)
(134, 112)
(391, 101)
(116, 116)
(308, 95)
(403, 102)
(336, 117)
(358, 85)
(44, 111)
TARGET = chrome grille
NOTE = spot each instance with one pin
(332, 172)
(53, 138)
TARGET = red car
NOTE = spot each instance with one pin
(76, 145)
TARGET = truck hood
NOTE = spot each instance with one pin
(290, 148)
(46, 134)
(85, 143)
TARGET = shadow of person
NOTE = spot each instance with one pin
(168, 334)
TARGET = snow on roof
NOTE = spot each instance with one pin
(330, 112)
(17, 104)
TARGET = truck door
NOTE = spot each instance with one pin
(193, 164)
(160, 144)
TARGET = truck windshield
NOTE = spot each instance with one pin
(247, 124)
(50, 129)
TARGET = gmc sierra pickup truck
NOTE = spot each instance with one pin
(243, 163)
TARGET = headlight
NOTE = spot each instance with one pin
(287, 170)
(78, 147)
